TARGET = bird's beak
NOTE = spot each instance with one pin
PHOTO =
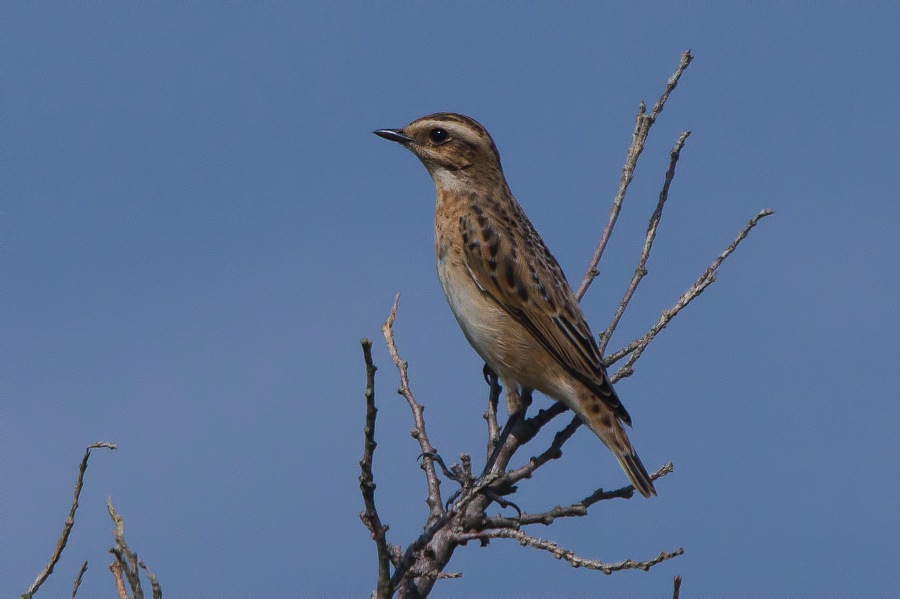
(394, 135)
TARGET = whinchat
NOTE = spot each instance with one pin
(506, 289)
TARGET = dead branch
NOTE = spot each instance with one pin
(69, 523)
(78, 578)
(126, 566)
(490, 415)
(434, 502)
(116, 568)
(554, 452)
(642, 125)
(367, 481)
(566, 554)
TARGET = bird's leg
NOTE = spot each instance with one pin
(525, 399)
(490, 377)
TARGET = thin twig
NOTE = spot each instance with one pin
(676, 587)
(641, 270)
(434, 574)
(370, 516)
(642, 125)
(490, 415)
(78, 578)
(637, 347)
(554, 452)
(70, 521)
(154, 582)
(575, 510)
(524, 432)
(566, 554)
(545, 416)
(434, 502)
(438, 517)
(626, 492)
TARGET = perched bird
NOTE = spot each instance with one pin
(506, 290)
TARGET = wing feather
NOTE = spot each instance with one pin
(531, 287)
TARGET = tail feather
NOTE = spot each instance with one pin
(636, 472)
(603, 421)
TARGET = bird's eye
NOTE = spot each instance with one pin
(438, 135)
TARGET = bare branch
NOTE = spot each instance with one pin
(69, 523)
(434, 574)
(640, 271)
(490, 414)
(116, 568)
(566, 554)
(154, 582)
(126, 563)
(417, 567)
(126, 558)
(370, 516)
(676, 587)
(642, 125)
(553, 452)
(403, 569)
(575, 510)
(545, 416)
(637, 347)
(524, 432)
(78, 578)
(626, 492)
(434, 501)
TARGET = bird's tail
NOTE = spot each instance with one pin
(606, 426)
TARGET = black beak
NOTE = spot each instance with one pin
(394, 135)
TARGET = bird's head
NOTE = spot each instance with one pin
(454, 148)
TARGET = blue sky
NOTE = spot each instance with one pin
(198, 227)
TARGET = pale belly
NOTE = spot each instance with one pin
(507, 347)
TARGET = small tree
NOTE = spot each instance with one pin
(412, 571)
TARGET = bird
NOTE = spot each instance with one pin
(506, 290)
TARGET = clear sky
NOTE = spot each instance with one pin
(198, 227)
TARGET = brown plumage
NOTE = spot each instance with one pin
(507, 291)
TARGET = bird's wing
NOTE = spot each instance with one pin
(522, 277)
